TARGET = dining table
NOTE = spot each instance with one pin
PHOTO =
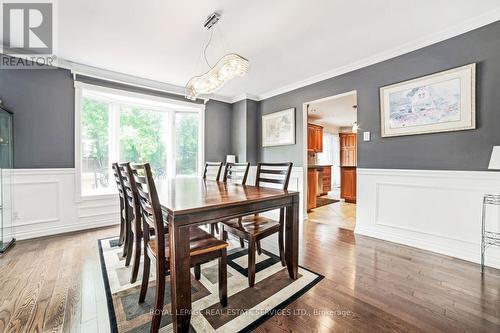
(187, 202)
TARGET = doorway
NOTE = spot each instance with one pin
(330, 154)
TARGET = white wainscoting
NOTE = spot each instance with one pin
(439, 211)
(44, 202)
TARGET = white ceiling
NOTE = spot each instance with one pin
(333, 113)
(286, 41)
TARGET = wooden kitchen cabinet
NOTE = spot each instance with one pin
(348, 184)
(348, 146)
(314, 138)
(312, 188)
(348, 161)
(327, 179)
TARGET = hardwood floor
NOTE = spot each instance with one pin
(55, 284)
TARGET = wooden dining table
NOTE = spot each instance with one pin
(188, 202)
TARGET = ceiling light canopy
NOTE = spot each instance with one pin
(228, 67)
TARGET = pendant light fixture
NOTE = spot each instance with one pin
(355, 125)
(228, 67)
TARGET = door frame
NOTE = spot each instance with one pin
(304, 140)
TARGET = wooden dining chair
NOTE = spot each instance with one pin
(237, 173)
(203, 246)
(253, 228)
(133, 205)
(122, 240)
(212, 172)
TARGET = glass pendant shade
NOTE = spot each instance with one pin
(228, 67)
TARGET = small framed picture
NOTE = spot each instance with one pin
(439, 102)
(278, 128)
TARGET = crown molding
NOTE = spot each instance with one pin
(118, 77)
(456, 30)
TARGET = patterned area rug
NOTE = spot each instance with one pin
(247, 307)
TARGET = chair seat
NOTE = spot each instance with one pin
(254, 225)
(200, 242)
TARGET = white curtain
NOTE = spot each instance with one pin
(331, 155)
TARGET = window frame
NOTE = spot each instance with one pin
(153, 103)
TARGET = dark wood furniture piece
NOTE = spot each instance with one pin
(135, 228)
(255, 227)
(236, 173)
(124, 232)
(312, 188)
(188, 202)
(212, 172)
(314, 138)
(348, 160)
(181, 249)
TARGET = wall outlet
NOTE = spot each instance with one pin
(366, 136)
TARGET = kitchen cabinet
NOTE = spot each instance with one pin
(348, 146)
(312, 188)
(348, 161)
(348, 184)
(314, 138)
(327, 179)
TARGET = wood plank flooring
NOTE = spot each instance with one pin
(55, 285)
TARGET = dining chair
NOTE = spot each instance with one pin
(236, 173)
(122, 240)
(203, 246)
(212, 172)
(253, 228)
(133, 205)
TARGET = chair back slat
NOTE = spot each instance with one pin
(212, 170)
(150, 207)
(130, 188)
(236, 172)
(274, 173)
(118, 179)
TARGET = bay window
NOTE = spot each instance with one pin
(114, 125)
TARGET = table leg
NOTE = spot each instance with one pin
(292, 238)
(180, 278)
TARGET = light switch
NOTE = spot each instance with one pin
(366, 136)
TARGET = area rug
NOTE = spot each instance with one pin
(323, 201)
(247, 307)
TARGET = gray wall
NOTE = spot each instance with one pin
(252, 131)
(463, 150)
(217, 129)
(238, 130)
(43, 105)
(244, 130)
(42, 101)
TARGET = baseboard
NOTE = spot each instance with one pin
(55, 230)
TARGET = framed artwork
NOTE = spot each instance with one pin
(278, 128)
(439, 102)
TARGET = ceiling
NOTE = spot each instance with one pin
(334, 112)
(289, 43)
